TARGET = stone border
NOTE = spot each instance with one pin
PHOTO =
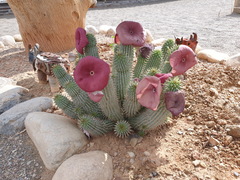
(115, 3)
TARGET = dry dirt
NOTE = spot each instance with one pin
(166, 153)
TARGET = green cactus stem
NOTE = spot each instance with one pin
(149, 119)
(130, 105)
(141, 61)
(109, 103)
(91, 48)
(122, 69)
(66, 105)
(172, 84)
(168, 48)
(81, 99)
(95, 126)
(61, 74)
(154, 60)
(122, 129)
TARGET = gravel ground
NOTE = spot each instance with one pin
(213, 21)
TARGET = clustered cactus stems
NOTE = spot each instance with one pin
(129, 97)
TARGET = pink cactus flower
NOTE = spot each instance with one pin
(91, 74)
(148, 92)
(175, 102)
(182, 59)
(81, 39)
(163, 77)
(95, 96)
(130, 33)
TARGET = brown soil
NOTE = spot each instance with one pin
(171, 149)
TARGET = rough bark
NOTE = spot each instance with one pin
(51, 24)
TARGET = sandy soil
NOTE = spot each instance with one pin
(166, 153)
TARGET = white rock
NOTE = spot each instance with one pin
(94, 165)
(10, 95)
(198, 48)
(8, 40)
(103, 29)
(56, 137)
(12, 120)
(91, 29)
(212, 55)
(233, 60)
(1, 44)
(159, 42)
(148, 36)
(111, 31)
(17, 38)
(146, 153)
(131, 154)
(213, 92)
(196, 163)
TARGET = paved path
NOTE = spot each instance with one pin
(212, 20)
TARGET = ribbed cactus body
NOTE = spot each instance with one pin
(150, 119)
(138, 69)
(81, 99)
(122, 129)
(167, 49)
(122, 68)
(109, 103)
(66, 105)
(130, 105)
(61, 74)
(95, 126)
(91, 48)
(154, 60)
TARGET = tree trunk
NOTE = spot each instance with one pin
(236, 8)
(50, 23)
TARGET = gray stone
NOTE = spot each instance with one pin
(8, 40)
(94, 165)
(10, 94)
(12, 120)
(111, 31)
(148, 36)
(233, 130)
(55, 137)
(213, 142)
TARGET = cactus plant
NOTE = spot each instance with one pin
(132, 98)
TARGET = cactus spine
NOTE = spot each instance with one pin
(141, 61)
(109, 103)
(130, 105)
(122, 67)
(154, 60)
(91, 49)
(149, 119)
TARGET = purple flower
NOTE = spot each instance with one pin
(91, 74)
(81, 39)
(145, 50)
(175, 102)
(182, 59)
(95, 96)
(163, 77)
(130, 33)
(148, 92)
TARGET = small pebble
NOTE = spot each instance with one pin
(133, 142)
(131, 161)
(131, 154)
(236, 174)
(213, 142)
(196, 163)
(146, 153)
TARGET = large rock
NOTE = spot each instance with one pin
(233, 60)
(1, 44)
(91, 29)
(56, 137)
(10, 94)
(12, 120)
(8, 40)
(94, 165)
(212, 55)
